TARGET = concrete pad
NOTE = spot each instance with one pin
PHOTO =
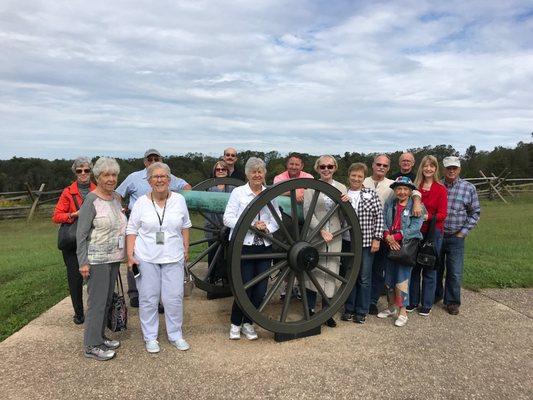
(520, 300)
(483, 353)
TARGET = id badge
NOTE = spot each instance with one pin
(160, 237)
(121, 242)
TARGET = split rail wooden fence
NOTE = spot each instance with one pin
(26, 203)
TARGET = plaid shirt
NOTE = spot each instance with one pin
(463, 207)
(370, 214)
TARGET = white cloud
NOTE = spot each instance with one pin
(114, 78)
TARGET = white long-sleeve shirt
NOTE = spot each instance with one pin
(238, 201)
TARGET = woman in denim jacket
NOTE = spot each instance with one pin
(399, 224)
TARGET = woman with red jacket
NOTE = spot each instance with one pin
(435, 199)
(66, 212)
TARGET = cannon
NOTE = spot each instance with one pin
(297, 249)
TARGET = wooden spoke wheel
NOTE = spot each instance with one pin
(298, 254)
(213, 245)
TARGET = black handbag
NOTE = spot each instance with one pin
(117, 317)
(427, 250)
(407, 255)
(66, 236)
(408, 251)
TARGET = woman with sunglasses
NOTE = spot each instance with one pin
(66, 212)
(220, 170)
(326, 166)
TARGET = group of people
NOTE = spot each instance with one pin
(152, 235)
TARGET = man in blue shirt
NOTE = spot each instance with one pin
(463, 215)
(136, 185)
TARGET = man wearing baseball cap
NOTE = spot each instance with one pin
(463, 215)
(136, 185)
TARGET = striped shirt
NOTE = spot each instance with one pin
(463, 207)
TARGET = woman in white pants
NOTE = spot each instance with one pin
(158, 241)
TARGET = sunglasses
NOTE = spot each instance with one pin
(83, 171)
(230, 155)
(382, 165)
(153, 158)
(159, 177)
(220, 169)
(329, 166)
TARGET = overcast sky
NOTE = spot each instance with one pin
(117, 77)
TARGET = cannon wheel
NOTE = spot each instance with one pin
(220, 238)
(296, 256)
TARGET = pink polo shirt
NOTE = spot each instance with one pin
(284, 176)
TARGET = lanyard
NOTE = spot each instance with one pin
(160, 218)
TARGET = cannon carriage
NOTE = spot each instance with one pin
(296, 253)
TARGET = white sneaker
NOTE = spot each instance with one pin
(401, 320)
(181, 344)
(152, 346)
(249, 331)
(387, 313)
(235, 332)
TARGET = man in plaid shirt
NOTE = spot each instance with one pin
(463, 215)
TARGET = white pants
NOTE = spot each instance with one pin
(163, 281)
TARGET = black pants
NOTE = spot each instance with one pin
(249, 270)
(75, 280)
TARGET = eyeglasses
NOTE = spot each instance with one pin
(382, 165)
(220, 169)
(230, 155)
(153, 158)
(409, 161)
(159, 177)
(329, 166)
(83, 170)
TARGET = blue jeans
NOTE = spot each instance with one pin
(397, 282)
(359, 299)
(250, 269)
(429, 280)
(378, 271)
(451, 260)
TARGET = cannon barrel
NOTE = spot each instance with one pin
(215, 202)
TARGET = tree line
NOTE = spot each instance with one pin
(195, 167)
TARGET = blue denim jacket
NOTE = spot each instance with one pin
(410, 224)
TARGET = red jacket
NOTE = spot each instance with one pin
(65, 204)
(436, 202)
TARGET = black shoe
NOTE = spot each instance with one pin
(134, 302)
(347, 316)
(331, 323)
(373, 309)
(78, 319)
(424, 311)
(160, 309)
(437, 299)
(359, 319)
(410, 308)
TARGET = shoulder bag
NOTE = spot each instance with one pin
(66, 237)
(117, 317)
(407, 255)
(427, 251)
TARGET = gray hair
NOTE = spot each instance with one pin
(381, 155)
(253, 164)
(78, 162)
(157, 165)
(105, 164)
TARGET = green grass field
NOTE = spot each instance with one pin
(32, 275)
